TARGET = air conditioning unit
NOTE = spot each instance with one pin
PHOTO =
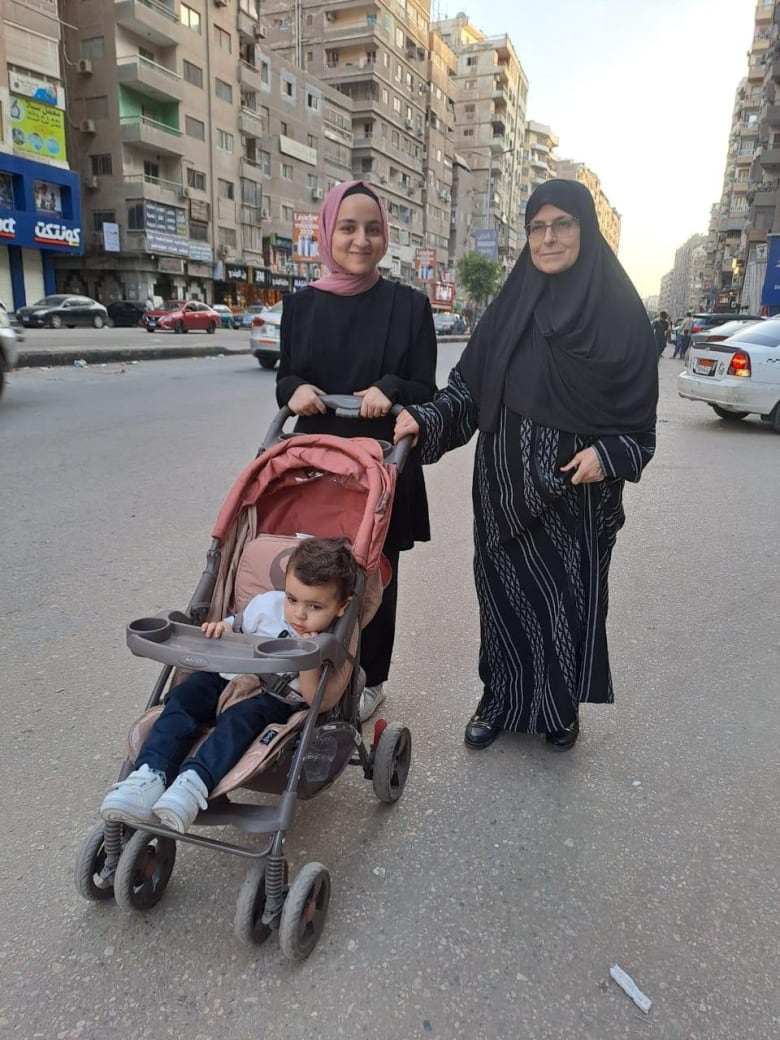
(261, 31)
(330, 16)
(223, 250)
(84, 66)
(184, 192)
(317, 193)
(91, 182)
(408, 124)
(87, 126)
(383, 180)
(221, 3)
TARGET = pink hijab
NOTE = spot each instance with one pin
(339, 281)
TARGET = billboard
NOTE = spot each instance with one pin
(770, 294)
(306, 248)
(486, 242)
(425, 264)
(444, 295)
(37, 129)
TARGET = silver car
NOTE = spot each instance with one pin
(9, 347)
(264, 335)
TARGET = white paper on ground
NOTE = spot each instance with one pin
(628, 986)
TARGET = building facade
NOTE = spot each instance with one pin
(40, 197)
(540, 162)
(608, 217)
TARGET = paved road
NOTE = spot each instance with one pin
(492, 900)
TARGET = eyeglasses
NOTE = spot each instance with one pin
(561, 227)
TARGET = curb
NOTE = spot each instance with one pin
(98, 356)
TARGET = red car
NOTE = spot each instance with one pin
(191, 316)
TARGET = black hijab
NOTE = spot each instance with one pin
(573, 350)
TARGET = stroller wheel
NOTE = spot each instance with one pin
(303, 914)
(92, 880)
(391, 762)
(248, 923)
(144, 870)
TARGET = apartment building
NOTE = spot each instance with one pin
(539, 159)
(196, 150)
(688, 276)
(376, 54)
(490, 112)
(40, 197)
(462, 213)
(608, 217)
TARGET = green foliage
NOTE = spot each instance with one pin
(479, 276)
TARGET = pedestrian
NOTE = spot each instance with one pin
(560, 379)
(662, 331)
(319, 583)
(354, 332)
(683, 340)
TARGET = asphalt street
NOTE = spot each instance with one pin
(492, 900)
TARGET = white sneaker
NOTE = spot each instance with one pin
(178, 806)
(131, 800)
(370, 699)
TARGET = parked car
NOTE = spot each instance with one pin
(247, 316)
(738, 376)
(717, 333)
(703, 322)
(9, 347)
(151, 317)
(125, 313)
(444, 322)
(192, 316)
(264, 335)
(63, 309)
(227, 318)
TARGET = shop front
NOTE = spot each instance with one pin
(231, 284)
(40, 218)
(269, 285)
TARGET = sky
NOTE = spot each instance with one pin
(642, 93)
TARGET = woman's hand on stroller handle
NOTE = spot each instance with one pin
(373, 403)
(406, 426)
(307, 400)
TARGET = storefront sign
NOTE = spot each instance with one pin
(170, 219)
(52, 234)
(486, 242)
(7, 227)
(159, 242)
(111, 237)
(37, 89)
(235, 272)
(282, 243)
(37, 129)
(444, 294)
(300, 283)
(280, 281)
(200, 210)
(261, 277)
(201, 251)
(306, 247)
(199, 270)
(170, 265)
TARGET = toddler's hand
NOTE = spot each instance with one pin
(214, 629)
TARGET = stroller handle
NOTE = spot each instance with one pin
(346, 406)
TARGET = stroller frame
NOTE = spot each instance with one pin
(135, 864)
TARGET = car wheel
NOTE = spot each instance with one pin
(98, 321)
(776, 418)
(179, 327)
(724, 413)
(211, 329)
(55, 321)
(267, 362)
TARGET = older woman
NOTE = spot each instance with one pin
(560, 378)
(353, 332)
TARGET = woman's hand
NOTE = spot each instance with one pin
(214, 629)
(406, 426)
(306, 401)
(373, 404)
(587, 467)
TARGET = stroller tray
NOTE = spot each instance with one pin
(176, 642)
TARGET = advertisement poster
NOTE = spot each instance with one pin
(444, 294)
(37, 129)
(6, 191)
(306, 248)
(48, 198)
(486, 242)
(425, 264)
(770, 296)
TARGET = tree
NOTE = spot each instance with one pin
(479, 276)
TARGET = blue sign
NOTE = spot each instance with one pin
(770, 294)
(486, 242)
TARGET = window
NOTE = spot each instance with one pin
(151, 170)
(189, 17)
(385, 96)
(264, 162)
(192, 73)
(265, 73)
(199, 232)
(92, 48)
(311, 141)
(288, 87)
(96, 107)
(226, 189)
(288, 214)
(311, 180)
(265, 208)
(135, 217)
(287, 171)
(196, 179)
(312, 101)
(101, 217)
(224, 141)
(283, 129)
(224, 42)
(227, 236)
(194, 128)
(147, 55)
(469, 132)
(223, 90)
(100, 165)
(471, 61)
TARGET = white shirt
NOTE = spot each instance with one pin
(264, 616)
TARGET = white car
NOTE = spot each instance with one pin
(264, 335)
(739, 376)
(9, 347)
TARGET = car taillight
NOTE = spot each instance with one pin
(740, 364)
(257, 322)
(697, 328)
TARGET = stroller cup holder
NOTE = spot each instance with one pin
(183, 645)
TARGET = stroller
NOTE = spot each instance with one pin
(341, 487)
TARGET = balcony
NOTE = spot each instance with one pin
(154, 21)
(352, 32)
(770, 159)
(250, 76)
(139, 186)
(148, 78)
(773, 115)
(149, 135)
(251, 123)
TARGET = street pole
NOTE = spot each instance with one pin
(489, 186)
